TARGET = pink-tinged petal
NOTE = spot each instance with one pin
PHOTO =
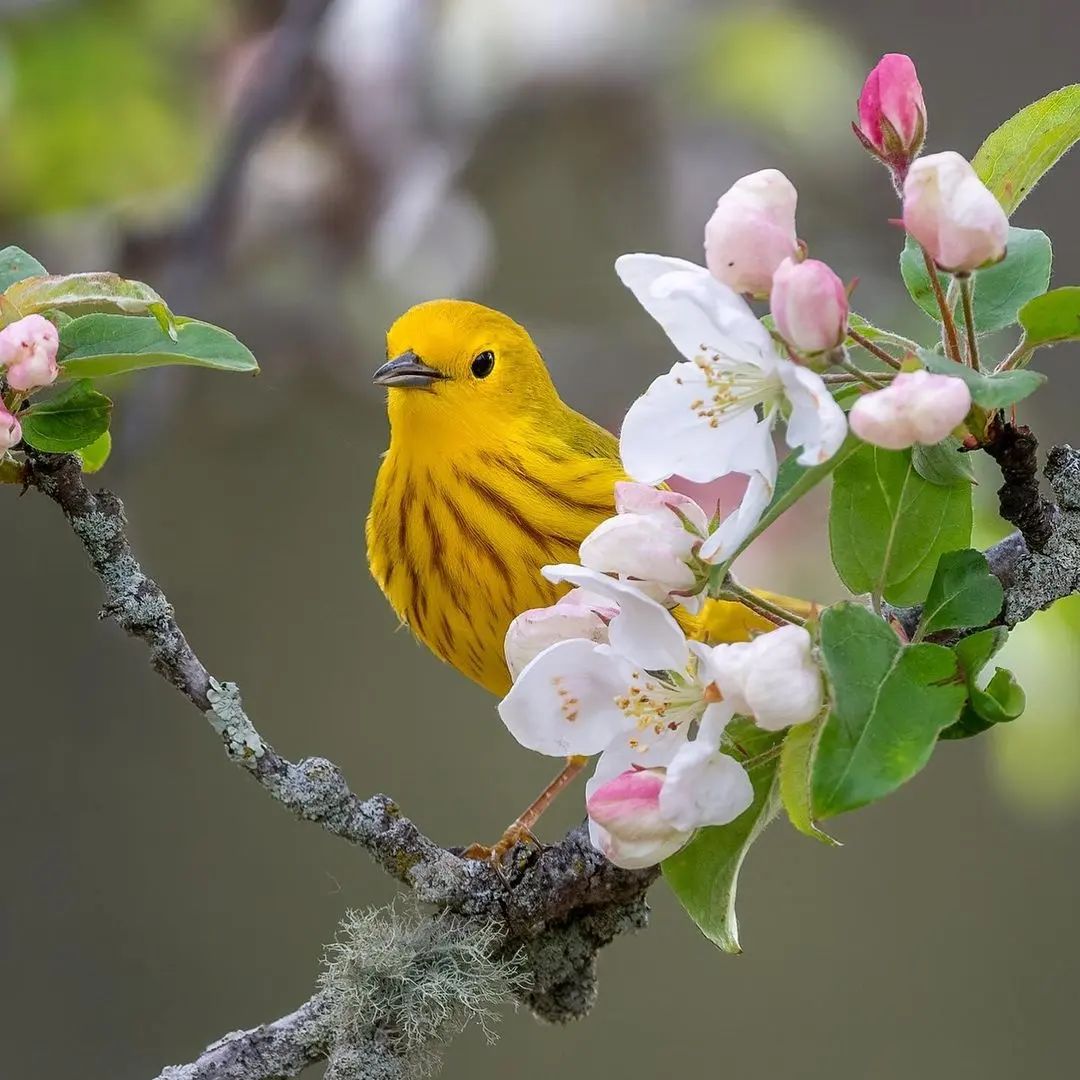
(534, 631)
(697, 312)
(634, 498)
(917, 407)
(28, 350)
(949, 210)
(10, 430)
(643, 631)
(817, 423)
(646, 548)
(563, 702)
(751, 231)
(810, 305)
(893, 93)
(722, 544)
(704, 787)
(581, 598)
(665, 433)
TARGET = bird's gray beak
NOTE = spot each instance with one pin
(406, 370)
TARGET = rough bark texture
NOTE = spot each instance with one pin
(553, 909)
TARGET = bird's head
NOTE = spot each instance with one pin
(460, 363)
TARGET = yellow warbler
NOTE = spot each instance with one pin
(489, 476)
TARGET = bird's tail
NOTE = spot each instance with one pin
(728, 620)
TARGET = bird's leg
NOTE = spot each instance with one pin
(521, 828)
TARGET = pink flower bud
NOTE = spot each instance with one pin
(810, 305)
(632, 830)
(28, 352)
(949, 210)
(917, 407)
(751, 231)
(892, 113)
(10, 430)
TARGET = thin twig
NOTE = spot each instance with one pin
(969, 321)
(952, 342)
(875, 350)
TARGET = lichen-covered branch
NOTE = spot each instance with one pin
(1033, 578)
(560, 904)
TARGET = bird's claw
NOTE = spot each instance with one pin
(518, 835)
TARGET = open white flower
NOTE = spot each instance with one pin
(645, 700)
(701, 420)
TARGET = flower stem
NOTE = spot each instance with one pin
(732, 590)
(1017, 358)
(860, 375)
(952, 342)
(875, 350)
(969, 320)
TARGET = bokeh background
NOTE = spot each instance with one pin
(505, 150)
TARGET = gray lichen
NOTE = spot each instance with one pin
(398, 985)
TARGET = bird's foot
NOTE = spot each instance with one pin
(517, 834)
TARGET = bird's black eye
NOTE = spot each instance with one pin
(483, 364)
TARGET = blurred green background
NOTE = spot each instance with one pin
(505, 150)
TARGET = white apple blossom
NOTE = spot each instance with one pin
(661, 540)
(701, 419)
(645, 700)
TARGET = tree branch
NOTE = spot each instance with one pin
(560, 904)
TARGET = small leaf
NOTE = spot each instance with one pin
(991, 391)
(705, 874)
(97, 345)
(16, 264)
(943, 463)
(888, 526)
(1002, 700)
(94, 456)
(1052, 317)
(74, 418)
(890, 702)
(796, 771)
(1000, 290)
(963, 594)
(1014, 157)
(81, 294)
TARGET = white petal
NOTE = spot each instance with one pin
(664, 435)
(632, 498)
(643, 547)
(643, 631)
(564, 701)
(697, 312)
(704, 787)
(728, 665)
(817, 423)
(634, 855)
(782, 683)
(534, 631)
(737, 526)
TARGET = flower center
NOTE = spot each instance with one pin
(732, 386)
(661, 701)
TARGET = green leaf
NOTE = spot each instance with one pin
(999, 290)
(704, 875)
(16, 264)
(943, 463)
(888, 526)
(793, 481)
(94, 456)
(890, 702)
(990, 390)
(963, 594)
(81, 294)
(984, 709)
(1015, 156)
(796, 771)
(876, 334)
(1052, 317)
(96, 345)
(74, 418)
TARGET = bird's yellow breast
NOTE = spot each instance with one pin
(458, 532)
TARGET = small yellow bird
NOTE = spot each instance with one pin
(489, 476)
